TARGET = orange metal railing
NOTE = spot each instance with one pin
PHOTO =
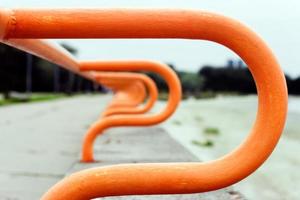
(162, 178)
(127, 92)
(130, 91)
(130, 120)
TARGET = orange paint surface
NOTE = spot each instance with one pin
(131, 120)
(163, 178)
(130, 91)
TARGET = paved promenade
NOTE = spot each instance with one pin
(41, 143)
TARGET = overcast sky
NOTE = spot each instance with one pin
(277, 21)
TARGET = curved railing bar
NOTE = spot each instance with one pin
(124, 94)
(127, 93)
(23, 44)
(36, 47)
(171, 178)
(131, 120)
(148, 85)
(41, 48)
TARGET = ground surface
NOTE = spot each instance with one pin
(232, 117)
(41, 142)
(39, 145)
(146, 145)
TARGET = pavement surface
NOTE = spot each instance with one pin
(146, 145)
(41, 145)
(233, 116)
(41, 142)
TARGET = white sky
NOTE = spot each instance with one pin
(277, 21)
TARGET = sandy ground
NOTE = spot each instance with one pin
(278, 178)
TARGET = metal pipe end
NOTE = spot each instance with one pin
(4, 22)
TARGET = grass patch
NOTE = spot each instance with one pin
(176, 122)
(163, 96)
(205, 143)
(32, 98)
(45, 97)
(212, 131)
(198, 118)
(205, 95)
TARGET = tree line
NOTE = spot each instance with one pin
(23, 72)
(232, 77)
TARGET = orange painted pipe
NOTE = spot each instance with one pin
(127, 93)
(131, 120)
(56, 54)
(49, 51)
(168, 178)
(42, 48)
(147, 85)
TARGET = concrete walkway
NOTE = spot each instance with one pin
(41, 144)
(147, 145)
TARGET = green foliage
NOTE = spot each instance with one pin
(190, 82)
(212, 131)
(176, 122)
(198, 118)
(13, 74)
(163, 96)
(205, 95)
(32, 98)
(205, 143)
(69, 48)
(233, 77)
(45, 97)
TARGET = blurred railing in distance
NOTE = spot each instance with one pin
(124, 101)
(131, 120)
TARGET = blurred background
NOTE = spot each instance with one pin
(220, 99)
(199, 64)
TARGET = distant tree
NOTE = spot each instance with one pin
(69, 76)
(234, 76)
(12, 70)
(293, 85)
(69, 48)
(46, 77)
(190, 82)
(230, 78)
